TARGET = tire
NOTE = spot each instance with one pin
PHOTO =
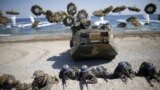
(150, 8)
(68, 21)
(82, 14)
(36, 10)
(71, 9)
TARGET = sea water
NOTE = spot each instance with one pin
(60, 28)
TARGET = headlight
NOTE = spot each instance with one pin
(104, 34)
(85, 35)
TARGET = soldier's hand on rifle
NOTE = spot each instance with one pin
(124, 79)
(36, 88)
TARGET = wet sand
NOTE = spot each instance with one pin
(22, 59)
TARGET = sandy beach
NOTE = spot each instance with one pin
(23, 58)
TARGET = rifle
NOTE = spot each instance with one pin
(127, 74)
(85, 81)
(124, 79)
(64, 81)
(103, 76)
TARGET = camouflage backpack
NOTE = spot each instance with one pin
(76, 70)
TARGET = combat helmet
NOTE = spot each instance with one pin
(84, 68)
(38, 73)
(147, 65)
(123, 65)
(100, 68)
(66, 68)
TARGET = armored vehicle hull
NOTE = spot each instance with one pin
(93, 51)
(92, 44)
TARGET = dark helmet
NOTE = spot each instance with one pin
(84, 68)
(66, 68)
(100, 68)
(147, 65)
(123, 65)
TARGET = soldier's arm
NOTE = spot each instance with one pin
(24, 86)
(124, 79)
(35, 86)
(92, 79)
(126, 72)
(49, 84)
(47, 87)
(60, 74)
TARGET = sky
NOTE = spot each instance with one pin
(24, 6)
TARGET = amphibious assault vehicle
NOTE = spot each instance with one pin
(92, 43)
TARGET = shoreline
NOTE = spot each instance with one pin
(62, 36)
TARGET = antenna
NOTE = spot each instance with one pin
(31, 18)
(13, 18)
(146, 16)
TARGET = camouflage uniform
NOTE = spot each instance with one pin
(69, 73)
(100, 72)
(148, 70)
(8, 82)
(87, 76)
(43, 81)
(124, 71)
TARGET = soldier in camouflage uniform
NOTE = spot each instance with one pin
(148, 70)
(43, 81)
(87, 76)
(100, 72)
(8, 82)
(123, 71)
(68, 73)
